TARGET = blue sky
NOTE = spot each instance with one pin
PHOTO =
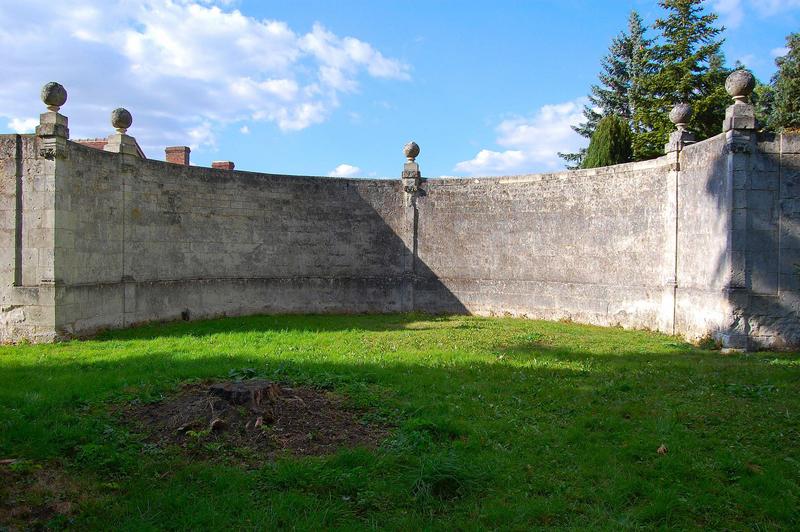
(321, 87)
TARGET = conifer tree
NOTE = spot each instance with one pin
(763, 98)
(610, 144)
(785, 112)
(691, 69)
(618, 92)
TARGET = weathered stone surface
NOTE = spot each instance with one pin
(583, 245)
(411, 150)
(683, 243)
(122, 143)
(54, 95)
(740, 115)
(678, 140)
(52, 123)
(740, 84)
(680, 114)
(121, 119)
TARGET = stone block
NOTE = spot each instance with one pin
(790, 143)
(739, 116)
(763, 241)
(53, 124)
(790, 185)
(768, 142)
(790, 209)
(763, 221)
(739, 200)
(677, 141)
(122, 143)
(762, 200)
(741, 177)
(763, 273)
(789, 281)
(739, 220)
(765, 180)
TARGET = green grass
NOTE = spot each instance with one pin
(500, 423)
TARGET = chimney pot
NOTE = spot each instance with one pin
(223, 165)
(178, 155)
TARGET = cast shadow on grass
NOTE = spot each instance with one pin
(126, 364)
(307, 323)
(462, 428)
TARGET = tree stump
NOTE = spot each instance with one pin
(243, 392)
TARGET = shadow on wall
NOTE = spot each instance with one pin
(192, 242)
(773, 241)
(756, 190)
(738, 236)
(135, 240)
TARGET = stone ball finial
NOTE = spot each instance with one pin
(121, 119)
(411, 150)
(680, 115)
(740, 85)
(54, 95)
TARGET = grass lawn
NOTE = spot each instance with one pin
(496, 423)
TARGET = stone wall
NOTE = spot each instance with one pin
(702, 304)
(161, 241)
(770, 208)
(27, 241)
(704, 241)
(583, 245)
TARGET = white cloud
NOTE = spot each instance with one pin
(244, 130)
(184, 68)
(773, 7)
(748, 60)
(23, 125)
(779, 52)
(202, 135)
(341, 56)
(532, 142)
(733, 12)
(345, 170)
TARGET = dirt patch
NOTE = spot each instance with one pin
(259, 417)
(34, 496)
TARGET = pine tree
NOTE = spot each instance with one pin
(691, 70)
(641, 67)
(628, 59)
(785, 112)
(610, 144)
(709, 112)
(763, 98)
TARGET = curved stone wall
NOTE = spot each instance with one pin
(162, 241)
(701, 241)
(584, 245)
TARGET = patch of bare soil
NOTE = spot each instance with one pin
(33, 496)
(258, 416)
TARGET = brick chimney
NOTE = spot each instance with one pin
(178, 155)
(223, 165)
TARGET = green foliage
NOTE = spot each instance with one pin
(610, 144)
(573, 160)
(619, 93)
(691, 69)
(498, 424)
(764, 101)
(642, 79)
(784, 112)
